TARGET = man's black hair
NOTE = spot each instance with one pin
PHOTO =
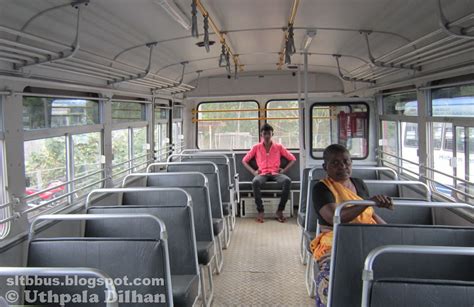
(266, 127)
(333, 149)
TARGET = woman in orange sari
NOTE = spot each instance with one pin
(338, 187)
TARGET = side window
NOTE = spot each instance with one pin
(399, 111)
(130, 146)
(227, 125)
(125, 112)
(283, 115)
(452, 171)
(345, 124)
(61, 164)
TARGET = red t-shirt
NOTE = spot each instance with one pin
(268, 163)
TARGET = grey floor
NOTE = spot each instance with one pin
(262, 267)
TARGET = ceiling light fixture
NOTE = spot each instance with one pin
(175, 12)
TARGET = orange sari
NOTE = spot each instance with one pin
(322, 244)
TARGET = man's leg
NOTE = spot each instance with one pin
(257, 183)
(285, 181)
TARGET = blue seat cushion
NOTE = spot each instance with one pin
(185, 289)
(205, 251)
(217, 226)
(226, 209)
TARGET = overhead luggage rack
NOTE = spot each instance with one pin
(430, 48)
(31, 50)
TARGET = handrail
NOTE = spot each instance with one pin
(449, 187)
(447, 175)
(131, 160)
(62, 196)
(399, 167)
(124, 182)
(142, 189)
(90, 217)
(400, 158)
(65, 271)
(359, 167)
(63, 184)
(368, 272)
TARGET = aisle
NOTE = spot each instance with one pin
(262, 267)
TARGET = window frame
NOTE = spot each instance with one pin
(227, 101)
(341, 103)
(297, 119)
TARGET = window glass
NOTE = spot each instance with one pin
(457, 101)
(410, 148)
(401, 104)
(442, 156)
(178, 112)
(120, 150)
(228, 125)
(45, 167)
(345, 124)
(140, 151)
(87, 162)
(41, 113)
(125, 112)
(284, 122)
(390, 141)
(178, 137)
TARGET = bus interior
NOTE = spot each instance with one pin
(124, 126)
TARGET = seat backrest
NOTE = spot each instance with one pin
(179, 226)
(118, 257)
(383, 188)
(224, 172)
(353, 242)
(201, 210)
(369, 173)
(407, 292)
(304, 190)
(155, 198)
(311, 214)
(208, 169)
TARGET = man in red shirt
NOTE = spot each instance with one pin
(267, 154)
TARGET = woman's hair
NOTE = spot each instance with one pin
(266, 127)
(333, 149)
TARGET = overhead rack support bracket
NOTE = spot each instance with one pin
(62, 55)
(139, 76)
(380, 63)
(346, 78)
(458, 32)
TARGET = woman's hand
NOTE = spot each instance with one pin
(383, 201)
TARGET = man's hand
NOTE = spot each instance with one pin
(383, 201)
(281, 171)
(255, 172)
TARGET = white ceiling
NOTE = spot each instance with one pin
(113, 25)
